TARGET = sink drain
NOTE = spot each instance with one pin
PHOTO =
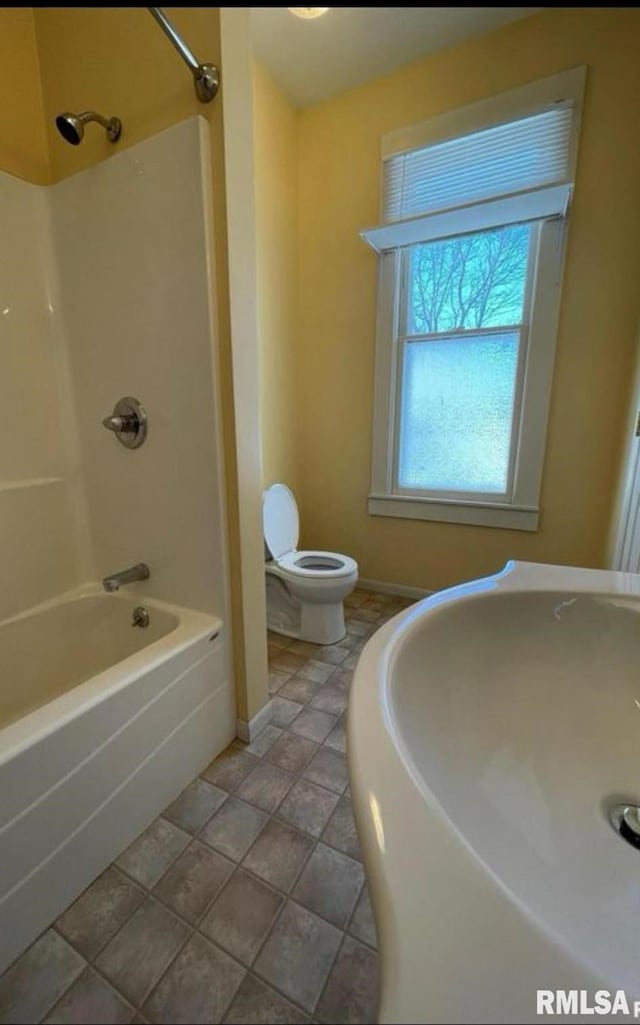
(625, 819)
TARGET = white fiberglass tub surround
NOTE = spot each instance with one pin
(491, 729)
(106, 724)
(102, 724)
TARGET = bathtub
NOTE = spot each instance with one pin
(492, 730)
(101, 725)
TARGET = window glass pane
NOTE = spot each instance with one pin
(456, 414)
(468, 282)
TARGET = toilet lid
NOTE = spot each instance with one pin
(280, 520)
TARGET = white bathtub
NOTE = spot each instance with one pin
(492, 728)
(101, 725)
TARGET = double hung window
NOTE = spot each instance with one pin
(471, 246)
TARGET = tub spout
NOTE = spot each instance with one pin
(126, 576)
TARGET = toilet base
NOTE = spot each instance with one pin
(283, 610)
(323, 624)
(317, 623)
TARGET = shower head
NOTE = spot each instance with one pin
(71, 126)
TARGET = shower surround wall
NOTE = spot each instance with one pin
(105, 291)
(132, 249)
(43, 523)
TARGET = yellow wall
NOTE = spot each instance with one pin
(117, 61)
(23, 144)
(242, 287)
(275, 124)
(339, 155)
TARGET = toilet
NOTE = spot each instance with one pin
(305, 590)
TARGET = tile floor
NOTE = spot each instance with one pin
(246, 900)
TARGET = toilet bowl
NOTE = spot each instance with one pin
(305, 589)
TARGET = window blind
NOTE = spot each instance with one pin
(520, 156)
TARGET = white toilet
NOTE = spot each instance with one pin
(305, 590)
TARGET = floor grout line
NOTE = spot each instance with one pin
(71, 984)
(164, 904)
(291, 1000)
(147, 993)
(268, 982)
(353, 910)
(195, 929)
(90, 963)
(326, 981)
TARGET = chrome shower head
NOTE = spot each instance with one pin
(71, 126)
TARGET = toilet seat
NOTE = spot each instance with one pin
(317, 565)
(281, 533)
(280, 521)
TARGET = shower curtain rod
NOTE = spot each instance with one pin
(206, 77)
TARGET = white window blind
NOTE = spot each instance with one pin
(520, 156)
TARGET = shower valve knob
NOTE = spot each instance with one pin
(128, 422)
(118, 424)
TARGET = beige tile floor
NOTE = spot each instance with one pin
(246, 900)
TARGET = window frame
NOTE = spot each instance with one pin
(519, 508)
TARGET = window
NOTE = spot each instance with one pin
(461, 349)
(470, 264)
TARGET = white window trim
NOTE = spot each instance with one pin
(518, 208)
(523, 511)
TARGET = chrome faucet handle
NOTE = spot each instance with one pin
(120, 424)
(128, 421)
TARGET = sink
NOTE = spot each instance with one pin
(492, 729)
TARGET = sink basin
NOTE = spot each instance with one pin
(492, 728)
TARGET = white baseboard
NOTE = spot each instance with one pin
(248, 731)
(400, 589)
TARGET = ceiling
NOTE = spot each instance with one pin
(313, 60)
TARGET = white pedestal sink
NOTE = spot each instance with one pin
(491, 729)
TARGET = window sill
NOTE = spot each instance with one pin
(477, 514)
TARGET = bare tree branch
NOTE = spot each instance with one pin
(469, 282)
